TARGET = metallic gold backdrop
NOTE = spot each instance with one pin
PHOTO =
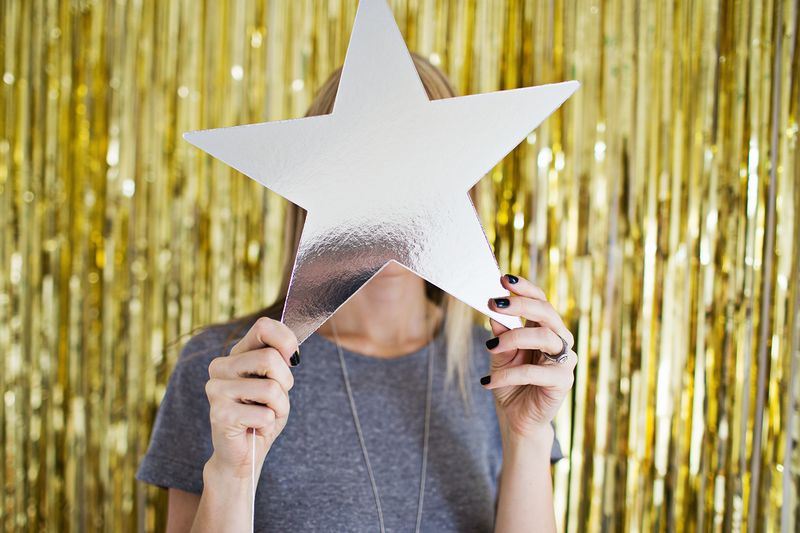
(659, 208)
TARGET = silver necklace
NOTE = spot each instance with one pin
(357, 423)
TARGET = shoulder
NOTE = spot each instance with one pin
(208, 343)
(185, 389)
(172, 459)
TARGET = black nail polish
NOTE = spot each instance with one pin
(294, 360)
(492, 343)
(512, 278)
(502, 302)
(485, 380)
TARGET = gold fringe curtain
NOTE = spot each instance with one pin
(658, 208)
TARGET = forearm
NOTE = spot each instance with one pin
(226, 501)
(525, 493)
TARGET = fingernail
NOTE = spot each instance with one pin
(492, 343)
(294, 360)
(485, 380)
(502, 302)
(512, 278)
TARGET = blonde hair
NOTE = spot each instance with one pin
(458, 317)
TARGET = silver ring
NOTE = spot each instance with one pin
(562, 356)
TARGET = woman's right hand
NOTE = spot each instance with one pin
(250, 389)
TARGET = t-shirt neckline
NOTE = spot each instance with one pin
(410, 356)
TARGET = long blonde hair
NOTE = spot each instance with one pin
(459, 318)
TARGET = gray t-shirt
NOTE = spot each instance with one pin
(314, 477)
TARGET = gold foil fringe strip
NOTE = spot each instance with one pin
(658, 209)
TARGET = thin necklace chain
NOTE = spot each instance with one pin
(357, 422)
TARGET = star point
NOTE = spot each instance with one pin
(385, 176)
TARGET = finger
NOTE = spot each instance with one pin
(263, 363)
(242, 417)
(559, 377)
(266, 392)
(497, 327)
(539, 311)
(522, 286)
(268, 332)
(538, 338)
(511, 357)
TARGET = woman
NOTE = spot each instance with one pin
(379, 436)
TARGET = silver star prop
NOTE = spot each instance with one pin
(385, 177)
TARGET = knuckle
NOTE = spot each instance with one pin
(271, 365)
(522, 336)
(263, 362)
(283, 341)
(533, 309)
(287, 345)
(268, 416)
(213, 414)
(276, 334)
(214, 367)
(263, 327)
(263, 321)
(281, 407)
(229, 415)
(221, 415)
(271, 388)
(554, 340)
(573, 361)
(525, 336)
(557, 319)
(545, 309)
(282, 332)
(500, 376)
(274, 357)
(530, 373)
(211, 389)
(510, 339)
(542, 336)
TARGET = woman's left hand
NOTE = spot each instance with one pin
(528, 387)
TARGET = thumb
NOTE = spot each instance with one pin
(497, 327)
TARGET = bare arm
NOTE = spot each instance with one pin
(528, 390)
(525, 493)
(181, 510)
(226, 501)
(248, 393)
(224, 505)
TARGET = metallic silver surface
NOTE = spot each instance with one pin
(562, 355)
(386, 176)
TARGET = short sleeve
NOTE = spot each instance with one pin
(555, 452)
(180, 443)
